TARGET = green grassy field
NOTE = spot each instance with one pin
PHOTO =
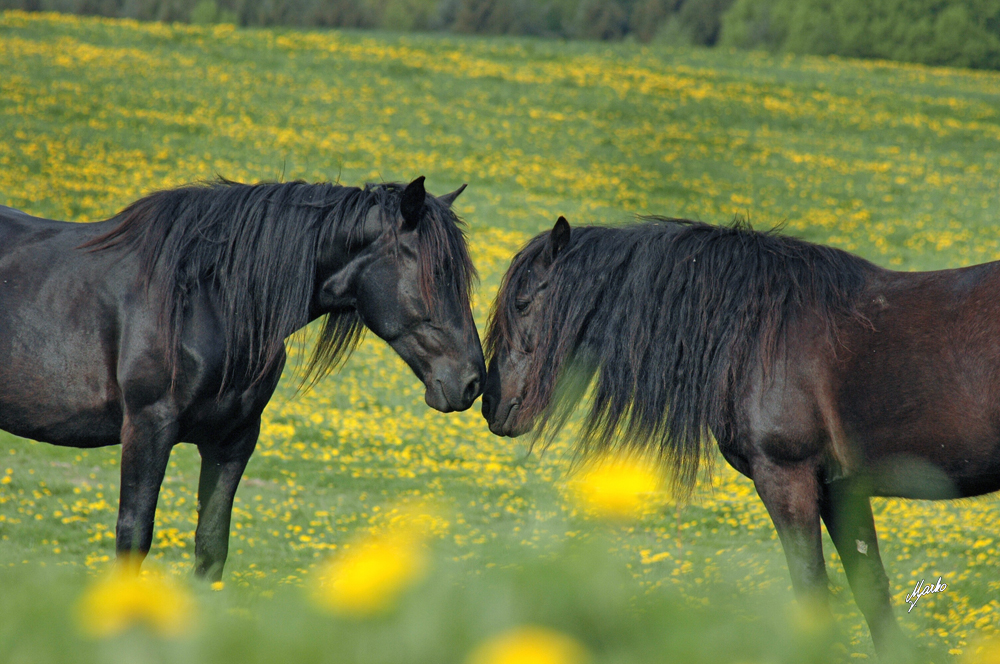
(897, 163)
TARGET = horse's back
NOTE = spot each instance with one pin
(9, 215)
(17, 226)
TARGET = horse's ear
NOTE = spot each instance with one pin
(448, 199)
(558, 238)
(412, 204)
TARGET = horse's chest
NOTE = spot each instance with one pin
(213, 421)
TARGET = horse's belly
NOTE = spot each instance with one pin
(84, 430)
(61, 423)
(75, 409)
(958, 470)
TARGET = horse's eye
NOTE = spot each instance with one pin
(522, 304)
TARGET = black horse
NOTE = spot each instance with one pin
(823, 378)
(167, 322)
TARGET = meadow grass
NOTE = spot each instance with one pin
(898, 163)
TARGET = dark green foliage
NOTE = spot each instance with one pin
(583, 19)
(601, 19)
(702, 20)
(964, 33)
(502, 17)
(588, 19)
(304, 13)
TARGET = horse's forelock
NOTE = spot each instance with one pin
(443, 248)
(499, 328)
(553, 340)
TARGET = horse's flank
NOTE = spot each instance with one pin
(919, 394)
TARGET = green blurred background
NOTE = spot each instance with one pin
(895, 162)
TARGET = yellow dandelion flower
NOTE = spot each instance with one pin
(529, 645)
(369, 577)
(619, 487)
(124, 599)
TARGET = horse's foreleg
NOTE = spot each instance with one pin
(848, 517)
(147, 438)
(221, 470)
(791, 495)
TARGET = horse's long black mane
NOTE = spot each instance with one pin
(670, 315)
(256, 246)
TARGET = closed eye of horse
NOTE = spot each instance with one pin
(789, 354)
(175, 313)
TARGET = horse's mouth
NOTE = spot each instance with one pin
(436, 398)
(509, 425)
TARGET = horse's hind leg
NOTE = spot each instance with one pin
(148, 435)
(221, 469)
(847, 513)
(791, 495)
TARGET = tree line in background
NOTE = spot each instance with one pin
(963, 33)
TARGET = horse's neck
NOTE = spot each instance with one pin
(336, 272)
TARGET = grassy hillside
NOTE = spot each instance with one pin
(897, 163)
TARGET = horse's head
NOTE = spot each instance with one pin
(511, 400)
(407, 273)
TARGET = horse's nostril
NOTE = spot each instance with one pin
(471, 390)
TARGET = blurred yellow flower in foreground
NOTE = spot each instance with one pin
(529, 645)
(619, 487)
(123, 599)
(369, 577)
(987, 652)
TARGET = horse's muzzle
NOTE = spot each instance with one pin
(448, 394)
(503, 418)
